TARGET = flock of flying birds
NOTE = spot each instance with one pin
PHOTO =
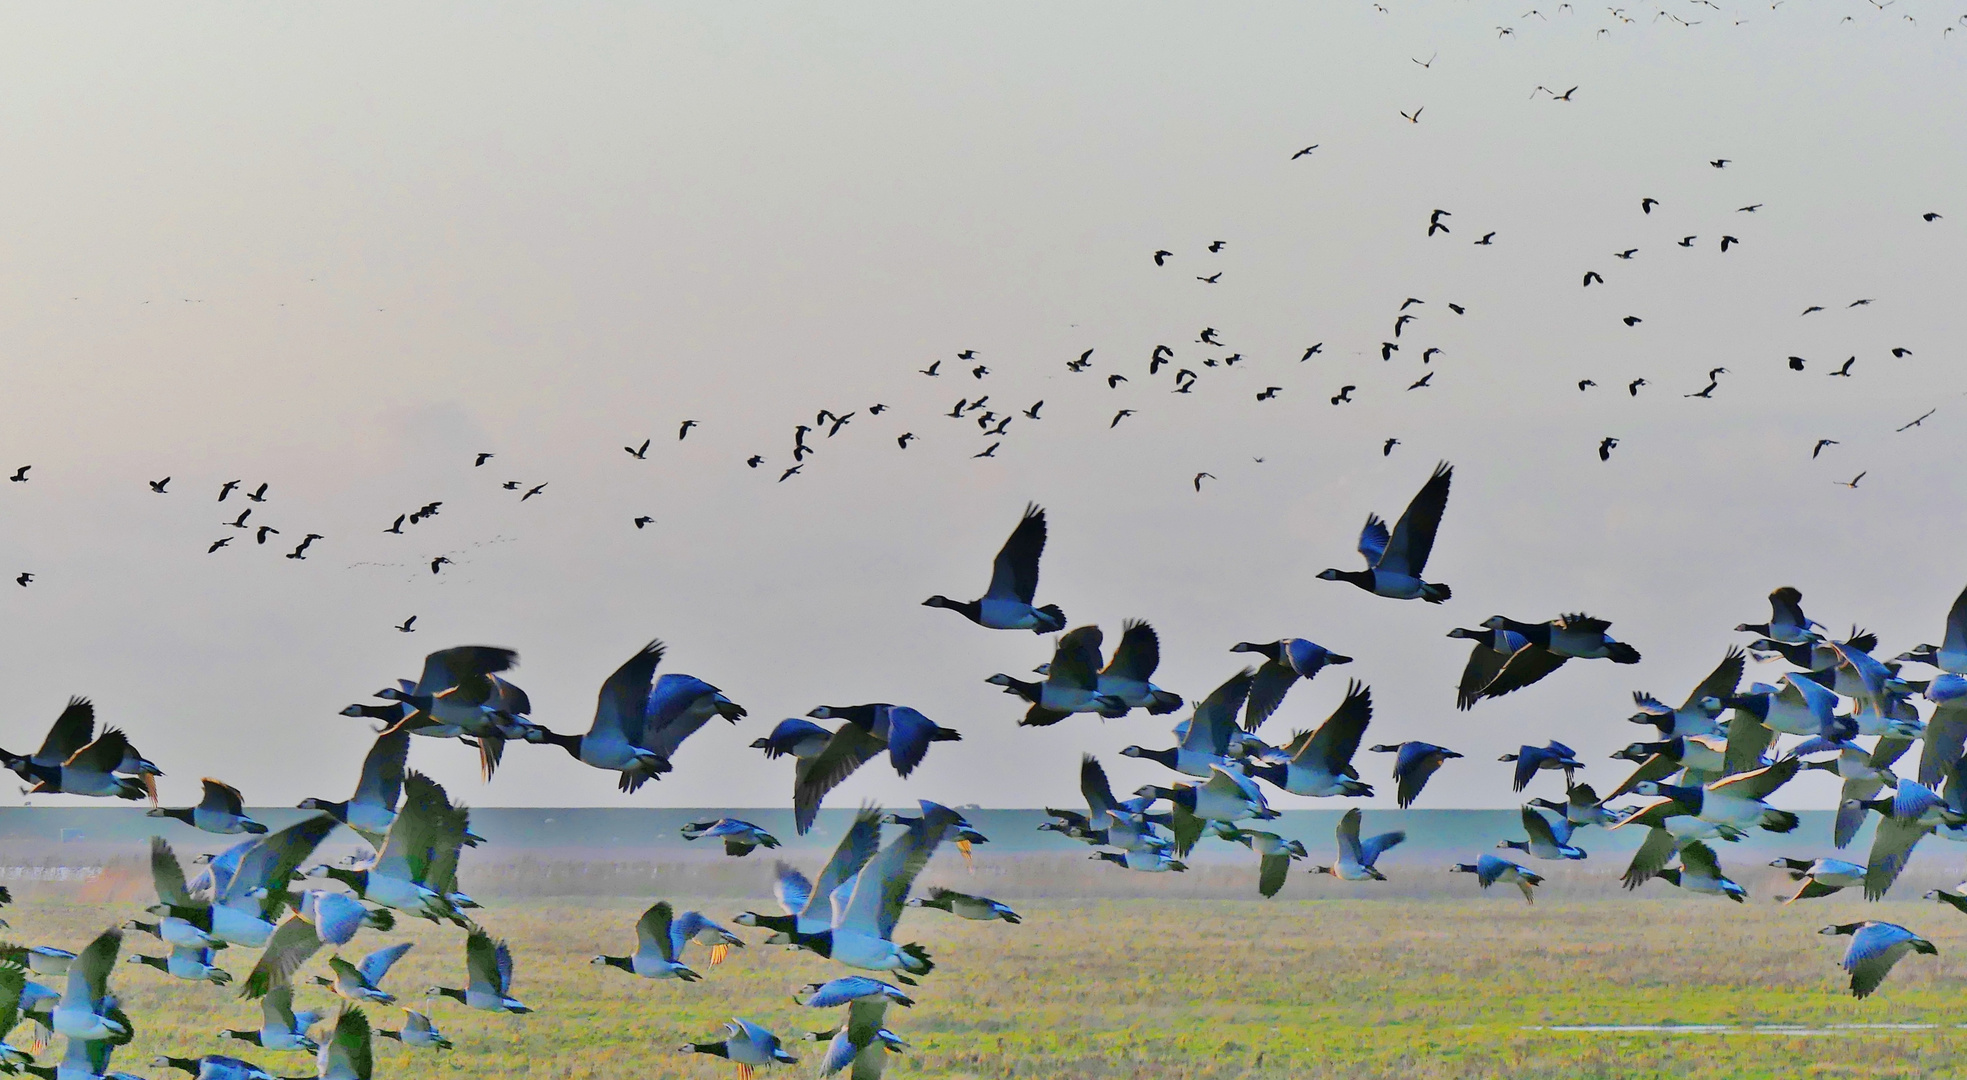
(1705, 778)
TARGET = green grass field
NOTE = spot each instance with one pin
(1397, 987)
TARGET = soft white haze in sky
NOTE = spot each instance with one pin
(342, 248)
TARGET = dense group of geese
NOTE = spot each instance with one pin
(1705, 778)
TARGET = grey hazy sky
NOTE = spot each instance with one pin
(340, 249)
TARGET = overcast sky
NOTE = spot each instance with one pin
(342, 249)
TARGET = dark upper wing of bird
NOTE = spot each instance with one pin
(1413, 534)
(1015, 573)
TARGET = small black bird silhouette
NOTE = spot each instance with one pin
(957, 412)
(1119, 416)
(1845, 370)
(1268, 392)
(1344, 394)
(301, 551)
(1208, 336)
(217, 544)
(1720, 163)
(1857, 303)
(1314, 146)
(1218, 245)
(1199, 478)
(26, 577)
(1400, 322)
(838, 423)
(440, 560)
(1434, 224)
(789, 472)
(532, 491)
(158, 485)
(967, 355)
(1811, 308)
(991, 452)
(1626, 254)
(903, 440)
(1921, 420)
(397, 528)
(20, 474)
(1853, 482)
(685, 429)
(1410, 302)
(1796, 363)
(264, 531)
(1706, 392)
(979, 371)
(931, 369)
(977, 404)
(639, 453)
(755, 460)
(1591, 276)
(1311, 352)
(408, 626)
(1605, 446)
(258, 494)
(1819, 448)
(1430, 61)
(1633, 386)
(875, 410)
(1035, 406)
(1725, 241)
(1488, 240)
(643, 521)
(1688, 241)
(1584, 384)
(1901, 353)
(1085, 360)
(1458, 309)
(1161, 257)
(1413, 117)
(1422, 381)
(227, 489)
(1932, 217)
(1113, 381)
(1387, 450)
(510, 485)
(1646, 205)
(1748, 209)
(1427, 355)
(1632, 320)
(1212, 278)
(240, 521)
(1387, 349)
(482, 459)
(999, 429)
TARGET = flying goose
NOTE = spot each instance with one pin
(1205, 740)
(861, 1043)
(460, 689)
(1734, 802)
(746, 1045)
(1108, 822)
(213, 1067)
(1581, 807)
(1950, 655)
(1492, 651)
(1285, 662)
(1698, 758)
(1006, 605)
(281, 1028)
(1413, 763)
(371, 810)
(1698, 715)
(415, 871)
(347, 1055)
(319, 918)
(959, 829)
(417, 1031)
(848, 989)
(864, 923)
(1531, 760)
(1126, 680)
(1549, 645)
(1357, 857)
(1153, 862)
(1787, 623)
(1912, 812)
(808, 904)
(1700, 872)
(1226, 797)
(796, 736)
(97, 769)
(1320, 761)
(659, 941)
(358, 983)
(679, 706)
(488, 967)
(192, 963)
(1874, 948)
(1820, 877)
(1274, 855)
(965, 906)
(83, 1011)
(1545, 841)
(902, 731)
(74, 729)
(1394, 562)
(1865, 774)
(1946, 728)
(220, 811)
(1489, 869)
(740, 838)
(615, 740)
(1071, 683)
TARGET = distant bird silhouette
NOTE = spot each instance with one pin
(1311, 352)
(300, 552)
(1387, 450)
(24, 578)
(1921, 420)
(439, 561)
(240, 521)
(1725, 241)
(265, 531)
(1161, 257)
(1748, 209)
(1796, 363)
(1314, 146)
(1633, 386)
(1032, 412)
(1591, 276)
(1387, 349)
(1853, 482)
(482, 459)
(967, 355)
(1119, 416)
(1208, 336)
(687, 425)
(875, 410)
(979, 371)
(1113, 381)
(1901, 353)
(1845, 370)
(532, 491)
(1410, 302)
(1632, 320)
(1217, 245)
(1344, 394)
(1605, 447)
(1932, 217)
(1413, 117)
(1430, 61)
(755, 460)
(931, 369)
(1421, 382)
(784, 475)
(1819, 448)
(158, 485)
(1858, 303)
(1720, 163)
(1688, 241)
(1427, 354)
(1488, 240)
(1401, 322)
(20, 474)
(227, 489)
(1584, 384)
(991, 452)
(397, 528)
(258, 494)
(217, 544)
(1626, 254)
(644, 521)
(408, 626)
(957, 412)
(903, 439)
(1811, 308)
(510, 485)
(1199, 477)
(1268, 392)
(831, 430)
(1458, 309)
(1212, 278)
(1085, 360)
(1434, 224)
(639, 453)
(1646, 205)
